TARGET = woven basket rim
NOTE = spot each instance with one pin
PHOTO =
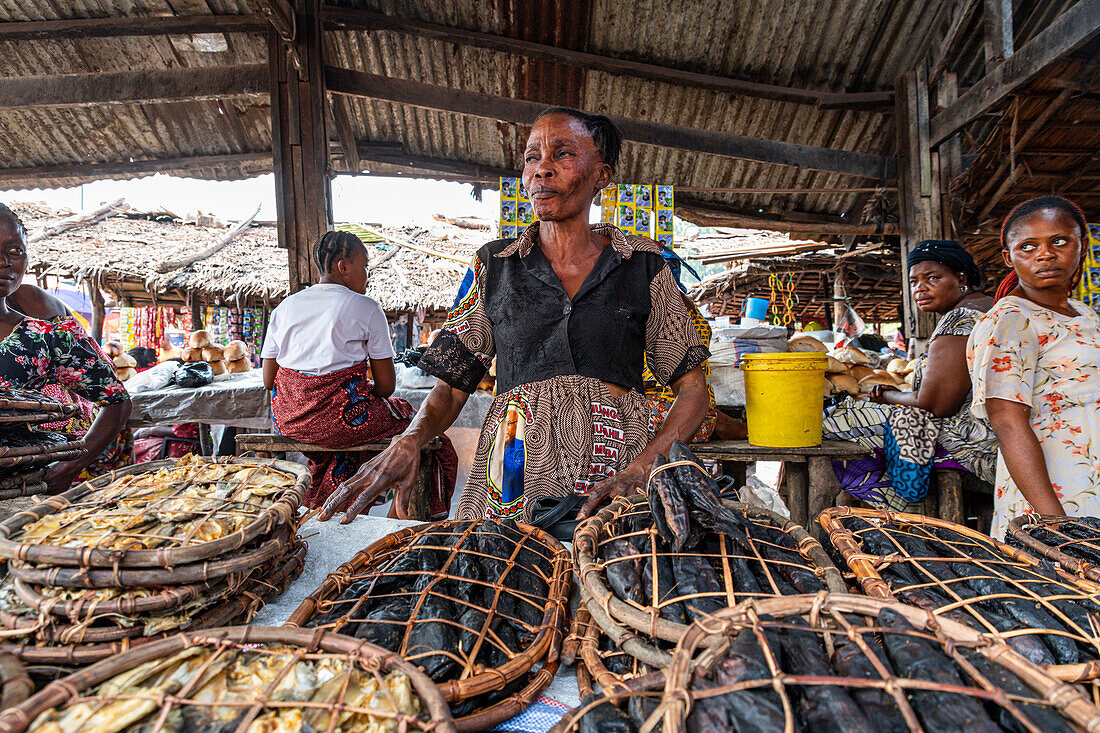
(593, 530)
(15, 684)
(41, 459)
(59, 692)
(283, 509)
(68, 445)
(12, 398)
(1020, 527)
(263, 550)
(548, 636)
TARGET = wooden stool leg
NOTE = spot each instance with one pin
(419, 502)
(798, 489)
(948, 485)
(823, 489)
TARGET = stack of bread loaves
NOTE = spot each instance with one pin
(230, 358)
(125, 365)
(850, 369)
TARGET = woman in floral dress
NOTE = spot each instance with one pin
(1035, 362)
(34, 353)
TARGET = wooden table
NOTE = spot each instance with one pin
(272, 445)
(808, 472)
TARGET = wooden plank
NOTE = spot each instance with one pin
(998, 31)
(69, 28)
(82, 170)
(129, 87)
(341, 18)
(945, 50)
(743, 450)
(715, 215)
(519, 112)
(99, 310)
(1069, 31)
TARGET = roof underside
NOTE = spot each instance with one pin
(826, 45)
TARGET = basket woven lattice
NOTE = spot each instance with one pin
(599, 662)
(716, 574)
(158, 515)
(844, 662)
(287, 679)
(1071, 542)
(28, 400)
(15, 684)
(1048, 615)
(476, 604)
(44, 640)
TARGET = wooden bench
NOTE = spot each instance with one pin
(811, 484)
(272, 445)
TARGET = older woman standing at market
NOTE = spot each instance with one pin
(909, 432)
(36, 352)
(569, 310)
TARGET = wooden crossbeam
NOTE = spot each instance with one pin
(134, 167)
(129, 87)
(340, 18)
(1069, 31)
(945, 49)
(520, 112)
(69, 28)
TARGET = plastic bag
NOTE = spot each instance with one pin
(198, 374)
(154, 378)
(758, 493)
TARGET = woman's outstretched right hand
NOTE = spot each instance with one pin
(395, 468)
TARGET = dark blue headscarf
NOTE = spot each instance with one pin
(951, 255)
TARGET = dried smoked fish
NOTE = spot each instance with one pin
(879, 707)
(824, 708)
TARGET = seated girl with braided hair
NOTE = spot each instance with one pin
(328, 362)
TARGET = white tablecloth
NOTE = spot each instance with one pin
(332, 543)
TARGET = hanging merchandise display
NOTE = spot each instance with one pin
(1088, 290)
(663, 216)
(636, 209)
(516, 211)
(609, 204)
(782, 294)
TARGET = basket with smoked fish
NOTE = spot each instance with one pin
(254, 678)
(849, 663)
(1046, 614)
(480, 606)
(1073, 543)
(654, 564)
(28, 444)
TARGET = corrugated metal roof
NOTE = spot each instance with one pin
(833, 45)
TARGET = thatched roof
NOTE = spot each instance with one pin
(724, 244)
(121, 254)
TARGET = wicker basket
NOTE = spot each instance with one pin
(30, 450)
(598, 665)
(309, 645)
(101, 492)
(41, 458)
(31, 401)
(618, 617)
(452, 541)
(1074, 554)
(835, 619)
(15, 684)
(958, 601)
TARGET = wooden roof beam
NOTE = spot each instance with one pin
(340, 18)
(520, 112)
(1069, 31)
(715, 215)
(945, 49)
(133, 167)
(129, 87)
(69, 28)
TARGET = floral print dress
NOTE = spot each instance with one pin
(1025, 353)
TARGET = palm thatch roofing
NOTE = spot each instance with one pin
(872, 276)
(121, 255)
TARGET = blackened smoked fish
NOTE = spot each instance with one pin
(918, 658)
(432, 636)
(622, 566)
(670, 512)
(659, 594)
(694, 575)
(877, 706)
(824, 708)
(1041, 716)
(605, 718)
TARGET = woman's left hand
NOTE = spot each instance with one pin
(629, 480)
(60, 476)
(878, 393)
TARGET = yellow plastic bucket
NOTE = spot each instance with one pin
(784, 395)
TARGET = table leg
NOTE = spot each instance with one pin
(948, 485)
(798, 489)
(824, 488)
(419, 503)
(206, 441)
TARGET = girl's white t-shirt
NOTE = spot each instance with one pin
(325, 328)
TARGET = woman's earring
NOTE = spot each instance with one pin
(963, 289)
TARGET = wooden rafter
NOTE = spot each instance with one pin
(69, 28)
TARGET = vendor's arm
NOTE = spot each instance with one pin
(459, 357)
(683, 421)
(271, 370)
(945, 380)
(385, 377)
(106, 427)
(1023, 454)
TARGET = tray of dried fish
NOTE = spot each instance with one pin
(158, 515)
(24, 442)
(1048, 615)
(655, 563)
(240, 678)
(475, 604)
(840, 662)
(1073, 543)
(15, 683)
(253, 555)
(27, 482)
(40, 639)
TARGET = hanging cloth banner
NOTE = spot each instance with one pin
(516, 211)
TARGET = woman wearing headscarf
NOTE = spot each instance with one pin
(1035, 361)
(910, 432)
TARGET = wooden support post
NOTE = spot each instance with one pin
(824, 489)
(921, 217)
(998, 32)
(947, 484)
(99, 311)
(409, 330)
(195, 305)
(840, 296)
(300, 143)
